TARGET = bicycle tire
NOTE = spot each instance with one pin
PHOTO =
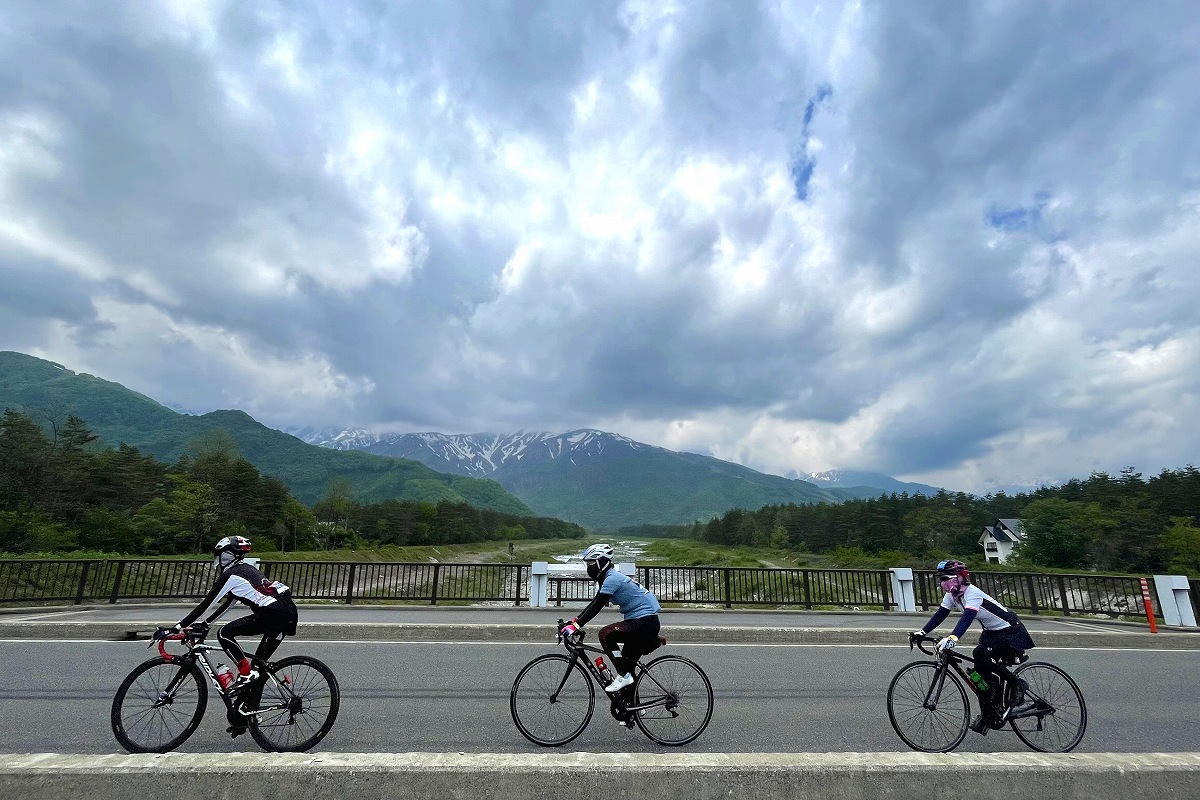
(1065, 721)
(311, 697)
(138, 719)
(546, 722)
(937, 730)
(690, 704)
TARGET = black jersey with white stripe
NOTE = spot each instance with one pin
(243, 583)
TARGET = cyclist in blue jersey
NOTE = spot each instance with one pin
(636, 635)
(1004, 635)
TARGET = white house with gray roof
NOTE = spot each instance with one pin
(999, 540)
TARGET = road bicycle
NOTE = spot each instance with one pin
(290, 707)
(554, 696)
(928, 705)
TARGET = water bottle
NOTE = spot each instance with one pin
(605, 674)
(977, 679)
(225, 676)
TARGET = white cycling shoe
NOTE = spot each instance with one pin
(619, 683)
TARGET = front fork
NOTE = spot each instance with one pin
(935, 688)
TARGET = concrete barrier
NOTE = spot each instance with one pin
(580, 776)
(493, 632)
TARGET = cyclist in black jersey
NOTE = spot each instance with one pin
(274, 617)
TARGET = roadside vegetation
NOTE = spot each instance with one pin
(61, 493)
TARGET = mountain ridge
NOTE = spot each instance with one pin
(850, 479)
(119, 415)
(549, 471)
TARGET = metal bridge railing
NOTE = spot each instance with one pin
(110, 580)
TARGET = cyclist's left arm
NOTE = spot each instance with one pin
(593, 608)
(221, 609)
(964, 622)
(935, 620)
(217, 590)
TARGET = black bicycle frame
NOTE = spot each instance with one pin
(953, 660)
(939, 680)
(577, 649)
(196, 655)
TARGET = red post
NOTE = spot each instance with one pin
(1148, 605)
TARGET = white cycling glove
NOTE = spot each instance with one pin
(947, 643)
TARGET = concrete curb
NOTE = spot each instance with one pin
(571, 776)
(493, 632)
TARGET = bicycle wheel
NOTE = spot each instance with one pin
(552, 700)
(159, 705)
(1061, 716)
(682, 700)
(939, 729)
(299, 704)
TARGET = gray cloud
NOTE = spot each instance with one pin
(951, 242)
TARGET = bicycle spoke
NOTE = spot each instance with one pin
(675, 700)
(296, 715)
(142, 723)
(1060, 715)
(939, 729)
(541, 715)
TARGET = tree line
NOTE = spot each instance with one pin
(1124, 523)
(61, 492)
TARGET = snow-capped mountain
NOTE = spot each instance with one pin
(854, 479)
(482, 455)
(600, 480)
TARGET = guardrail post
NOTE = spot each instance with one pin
(1062, 593)
(1174, 600)
(83, 576)
(807, 592)
(350, 585)
(538, 583)
(728, 596)
(117, 582)
(437, 570)
(517, 600)
(1033, 604)
(902, 589)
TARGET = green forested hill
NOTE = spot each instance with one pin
(650, 485)
(49, 393)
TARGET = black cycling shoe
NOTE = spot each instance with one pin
(981, 724)
(235, 731)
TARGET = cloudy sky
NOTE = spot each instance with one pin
(954, 242)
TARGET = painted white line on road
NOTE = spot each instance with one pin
(54, 614)
(673, 646)
(1094, 627)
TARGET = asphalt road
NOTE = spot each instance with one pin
(147, 615)
(453, 697)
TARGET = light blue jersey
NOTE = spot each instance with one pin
(634, 600)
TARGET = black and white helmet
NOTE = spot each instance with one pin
(230, 549)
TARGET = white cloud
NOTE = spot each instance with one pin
(952, 244)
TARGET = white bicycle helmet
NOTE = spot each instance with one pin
(597, 552)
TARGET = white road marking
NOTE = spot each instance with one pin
(673, 646)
